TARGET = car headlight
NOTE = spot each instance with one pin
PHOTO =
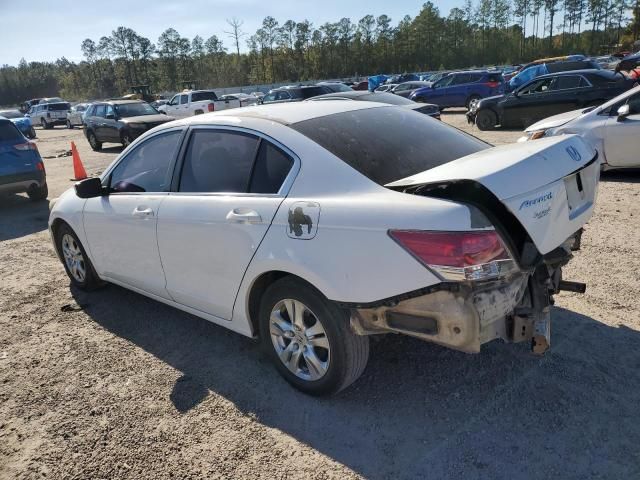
(536, 134)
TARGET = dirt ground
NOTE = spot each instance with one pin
(131, 389)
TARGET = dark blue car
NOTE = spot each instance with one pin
(21, 167)
(459, 89)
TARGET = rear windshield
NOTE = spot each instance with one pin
(310, 92)
(199, 96)
(389, 143)
(389, 98)
(9, 132)
(125, 110)
(58, 106)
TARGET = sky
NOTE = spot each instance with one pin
(44, 30)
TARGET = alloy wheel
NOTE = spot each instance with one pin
(299, 339)
(73, 258)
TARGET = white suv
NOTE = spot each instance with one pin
(47, 115)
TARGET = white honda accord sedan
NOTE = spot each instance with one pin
(314, 225)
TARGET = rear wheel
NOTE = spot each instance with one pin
(486, 120)
(75, 260)
(38, 193)
(309, 340)
(471, 100)
(93, 141)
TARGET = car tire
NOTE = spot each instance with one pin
(75, 260)
(38, 193)
(125, 139)
(486, 120)
(69, 125)
(323, 355)
(472, 98)
(96, 146)
(43, 124)
(32, 133)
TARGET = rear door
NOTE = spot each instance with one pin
(230, 187)
(621, 137)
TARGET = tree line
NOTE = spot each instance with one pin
(487, 32)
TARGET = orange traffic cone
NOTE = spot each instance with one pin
(78, 170)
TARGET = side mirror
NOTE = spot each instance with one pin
(89, 188)
(623, 112)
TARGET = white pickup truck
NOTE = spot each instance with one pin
(196, 102)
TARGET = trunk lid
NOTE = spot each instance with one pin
(549, 185)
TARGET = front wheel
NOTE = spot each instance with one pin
(43, 124)
(75, 260)
(486, 120)
(93, 141)
(309, 339)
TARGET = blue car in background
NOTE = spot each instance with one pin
(459, 89)
(19, 120)
(21, 167)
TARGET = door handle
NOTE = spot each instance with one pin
(243, 215)
(142, 212)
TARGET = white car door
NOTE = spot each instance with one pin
(173, 107)
(121, 227)
(231, 186)
(621, 137)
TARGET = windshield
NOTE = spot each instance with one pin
(8, 132)
(125, 110)
(388, 143)
(11, 114)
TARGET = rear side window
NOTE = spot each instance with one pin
(389, 143)
(271, 168)
(199, 96)
(148, 167)
(218, 161)
(567, 82)
(9, 132)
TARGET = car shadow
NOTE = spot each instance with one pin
(19, 216)
(111, 149)
(624, 176)
(419, 407)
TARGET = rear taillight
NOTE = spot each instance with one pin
(210, 107)
(40, 166)
(457, 255)
(492, 84)
(26, 146)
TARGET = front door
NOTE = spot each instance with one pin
(208, 231)
(621, 137)
(121, 227)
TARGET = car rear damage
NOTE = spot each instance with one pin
(504, 291)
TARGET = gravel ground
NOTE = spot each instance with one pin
(130, 388)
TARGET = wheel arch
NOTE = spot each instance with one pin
(259, 287)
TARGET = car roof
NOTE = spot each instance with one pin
(118, 102)
(284, 113)
(584, 71)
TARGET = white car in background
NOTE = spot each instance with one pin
(613, 129)
(313, 225)
(196, 102)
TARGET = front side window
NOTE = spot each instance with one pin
(100, 110)
(283, 96)
(445, 82)
(148, 167)
(175, 100)
(271, 97)
(218, 161)
(537, 86)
